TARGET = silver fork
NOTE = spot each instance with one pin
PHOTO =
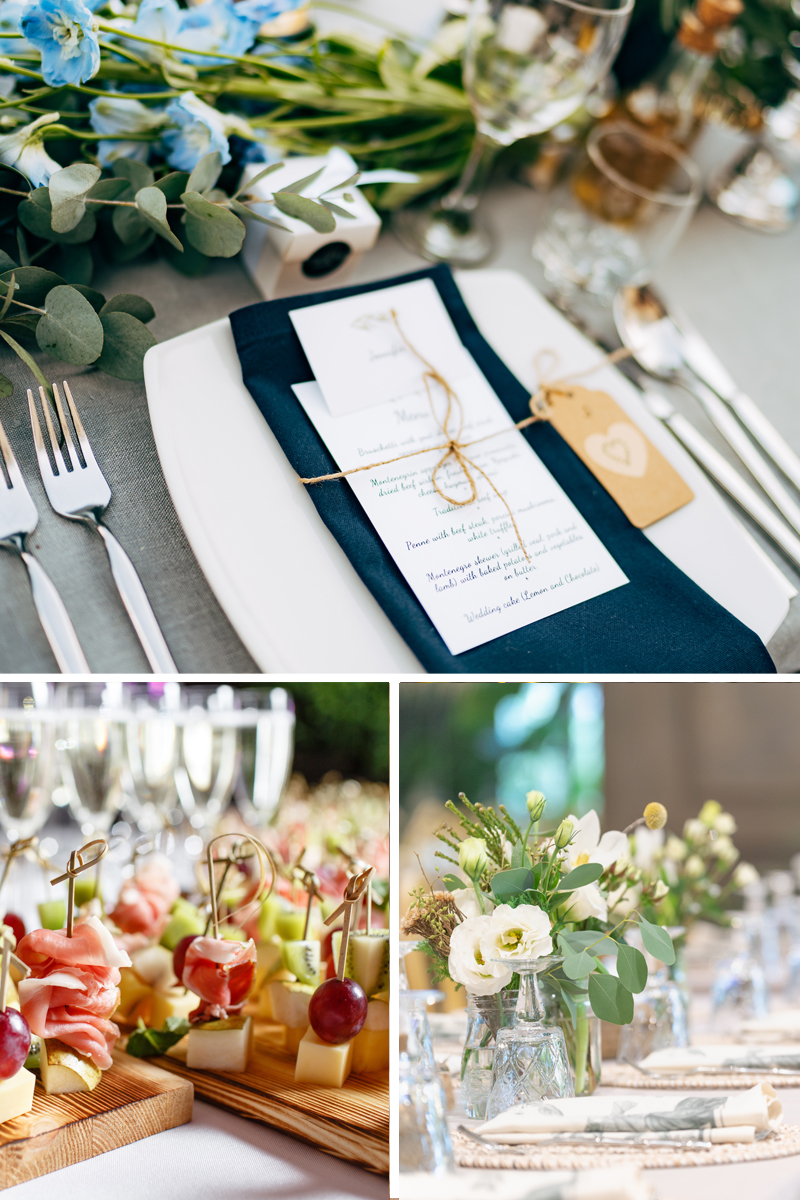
(83, 494)
(18, 518)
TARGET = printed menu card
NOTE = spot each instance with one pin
(395, 385)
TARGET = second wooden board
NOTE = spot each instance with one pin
(133, 1100)
(351, 1122)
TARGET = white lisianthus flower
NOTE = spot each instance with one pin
(586, 902)
(473, 857)
(725, 824)
(467, 902)
(648, 843)
(467, 964)
(521, 932)
(24, 149)
(660, 890)
(745, 875)
(588, 846)
(675, 849)
(695, 867)
(695, 830)
(622, 901)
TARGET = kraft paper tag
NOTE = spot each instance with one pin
(630, 468)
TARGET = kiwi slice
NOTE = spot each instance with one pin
(302, 959)
(367, 959)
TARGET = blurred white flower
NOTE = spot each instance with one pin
(466, 963)
(725, 849)
(695, 830)
(660, 890)
(695, 867)
(647, 843)
(467, 902)
(521, 932)
(588, 846)
(472, 856)
(725, 823)
(675, 848)
(586, 902)
(745, 875)
(623, 901)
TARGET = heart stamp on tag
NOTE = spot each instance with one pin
(621, 449)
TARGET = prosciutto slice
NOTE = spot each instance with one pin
(144, 903)
(72, 989)
(221, 973)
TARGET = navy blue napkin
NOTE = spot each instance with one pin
(658, 623)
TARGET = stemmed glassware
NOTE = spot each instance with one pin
(528, 64)
(209, 754)
(424, 1138)
(530, 1058)
(91, 752)
(267, 749)
(153, 741)
(27, 738)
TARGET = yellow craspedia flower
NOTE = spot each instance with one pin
(655, 815)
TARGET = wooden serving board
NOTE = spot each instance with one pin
(350, 1122)
(133, 1100)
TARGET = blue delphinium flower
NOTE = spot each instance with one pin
(64, 32)
(24, 150)
(219, 26)
(11, 13)
(267, 10)
(156, 19)
(115, 115)
(200, 131)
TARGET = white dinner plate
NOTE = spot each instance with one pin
(284, 582)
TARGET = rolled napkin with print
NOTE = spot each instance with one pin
(758, 1108)
(676, 1060)
(777, 1027)
(621, 1183)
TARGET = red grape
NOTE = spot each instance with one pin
(179, 954)
(16, 925)
(15, 1042)
(337, 1010)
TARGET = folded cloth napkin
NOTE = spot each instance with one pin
(777, 1027)
(659, 622)
(758, 1107)
(621, 1183)
(676, 1060)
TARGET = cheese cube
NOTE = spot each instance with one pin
(172, 1002)
(220, 1045)
(16, 1094)
(370, 1051)
(321, 1063)
(294, 1037)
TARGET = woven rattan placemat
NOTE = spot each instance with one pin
(620, 1075)
(783, 1142)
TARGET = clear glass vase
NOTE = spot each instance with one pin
(485, 1016)
(582, 1037)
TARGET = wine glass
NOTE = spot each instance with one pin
(27, 739)
(528, 64)
(91, 751)
(209, 754)
(530, 1058)
(267, 749)
(152, 740)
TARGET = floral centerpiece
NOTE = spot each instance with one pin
(530, 894)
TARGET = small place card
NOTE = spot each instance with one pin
(464, 562)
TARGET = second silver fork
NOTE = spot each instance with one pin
(83, 494)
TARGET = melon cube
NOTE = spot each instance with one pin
(16, 1094)
(370, 1051)
(220, 1045)
(321, 1063)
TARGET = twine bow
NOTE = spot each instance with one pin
(356, 886)
(15, 850)
(75, 866)
(238, 853)
(453, 447)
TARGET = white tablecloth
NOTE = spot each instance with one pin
(218, 1156)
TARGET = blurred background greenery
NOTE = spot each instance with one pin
(340, 727)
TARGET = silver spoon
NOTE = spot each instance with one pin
(610, 1140)
(648, 331)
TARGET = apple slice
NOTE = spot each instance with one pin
(63, 1070)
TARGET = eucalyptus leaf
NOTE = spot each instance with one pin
(22, 246)
(305, 210)
(246, 212)
(33, 284)
(257, 178)
(657, 942)
(510, 883)
(336, 209)
(632, 968)
(6, 261)
(125, 343)
(137, 174)
(578, 966)
(173, 185)
(137, 306)
(34, 214)
(211, 229)
(299, 184)
(68, 189)
(346, 183)
(129, 224)
(191, 263)
(11, 287)
(453, 883)
(32, 365)
(610, 999)
(70, 329)
(206, 173)
(75, 264)
(584, 874)
(22, 324)
(107, 189)
(6, 387)
(519, 855)
(152, 204)
(119, 252)
(587, 939)
(96, 299)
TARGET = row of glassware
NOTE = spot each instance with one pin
(161, 754)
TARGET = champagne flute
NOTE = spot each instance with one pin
(152, 741)
(267, 743)
(209, 755)
(528, 64)
(91, 749)
(26, 758)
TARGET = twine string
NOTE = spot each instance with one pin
(453, 446)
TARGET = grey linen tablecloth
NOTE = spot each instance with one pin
(740, 288)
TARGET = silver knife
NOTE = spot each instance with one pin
(705, 364)
(720, 469)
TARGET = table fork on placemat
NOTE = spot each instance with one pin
(79, 490)
(18, 518)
